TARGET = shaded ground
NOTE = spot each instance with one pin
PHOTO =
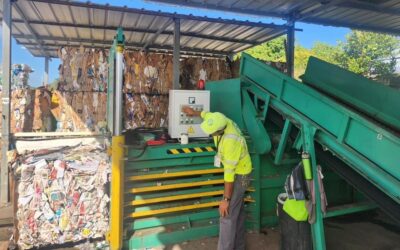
(361, 231)
(370, 230)
(5, 234)
(254, 241)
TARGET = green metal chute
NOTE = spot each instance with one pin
(255, 127)
(370, 149)
(366, 147)
(227, 98)
(372, 98)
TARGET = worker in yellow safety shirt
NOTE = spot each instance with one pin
(233, 155)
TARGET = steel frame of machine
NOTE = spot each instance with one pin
(321, 120)
(168, 194)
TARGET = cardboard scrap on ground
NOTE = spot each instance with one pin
(62, 195)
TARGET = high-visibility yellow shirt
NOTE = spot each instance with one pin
(233, 152)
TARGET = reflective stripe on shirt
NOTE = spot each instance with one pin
(229, 170)
(237, 138)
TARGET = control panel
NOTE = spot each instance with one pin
(194, 119)
(181, 122)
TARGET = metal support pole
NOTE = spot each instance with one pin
(290, 49)
(317, 228)
(117, 150)
(118, 99)
(177, 52)
(46, 71)
(5, 128)
(117, 192)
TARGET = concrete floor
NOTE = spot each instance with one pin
(269, 239)
(371, 230)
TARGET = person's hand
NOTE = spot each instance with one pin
(223, 208)
(188, 111)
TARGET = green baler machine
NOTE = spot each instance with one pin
(172, 191)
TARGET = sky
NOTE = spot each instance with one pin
(310, 34)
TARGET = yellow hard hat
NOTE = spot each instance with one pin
(213, 122)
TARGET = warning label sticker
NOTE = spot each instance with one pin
(190, 130)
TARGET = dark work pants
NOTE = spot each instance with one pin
(232, 227)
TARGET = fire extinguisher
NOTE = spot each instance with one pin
(201, 84)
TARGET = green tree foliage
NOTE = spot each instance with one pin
(272, 51)
(370, 54)
(326, 52)
(301, 55)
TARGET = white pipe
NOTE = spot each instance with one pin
(118, 91)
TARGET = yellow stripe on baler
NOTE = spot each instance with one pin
(175, 186)
(173, 209)
(175, 198)
(179, 209)
(186, 150)
(176, 174)
(210, 149)
(174, 151)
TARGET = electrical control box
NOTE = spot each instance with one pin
(181, 123)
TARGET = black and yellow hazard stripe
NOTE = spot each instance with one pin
(176, 151)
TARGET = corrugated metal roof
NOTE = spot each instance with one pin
(42, 26)
(372, 15)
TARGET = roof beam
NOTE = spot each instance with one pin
(53, 53)
(139, 30)
(89, 12)
(307, 15)
(323, 6)
(102, 44)
(163, 14)
(369, 7)
(352, 26)
(57, 19)
(156, 34)
(105, 23)
(205, 5)
(73, 20)
(29, 27)
(347, 4)
(316, 9)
